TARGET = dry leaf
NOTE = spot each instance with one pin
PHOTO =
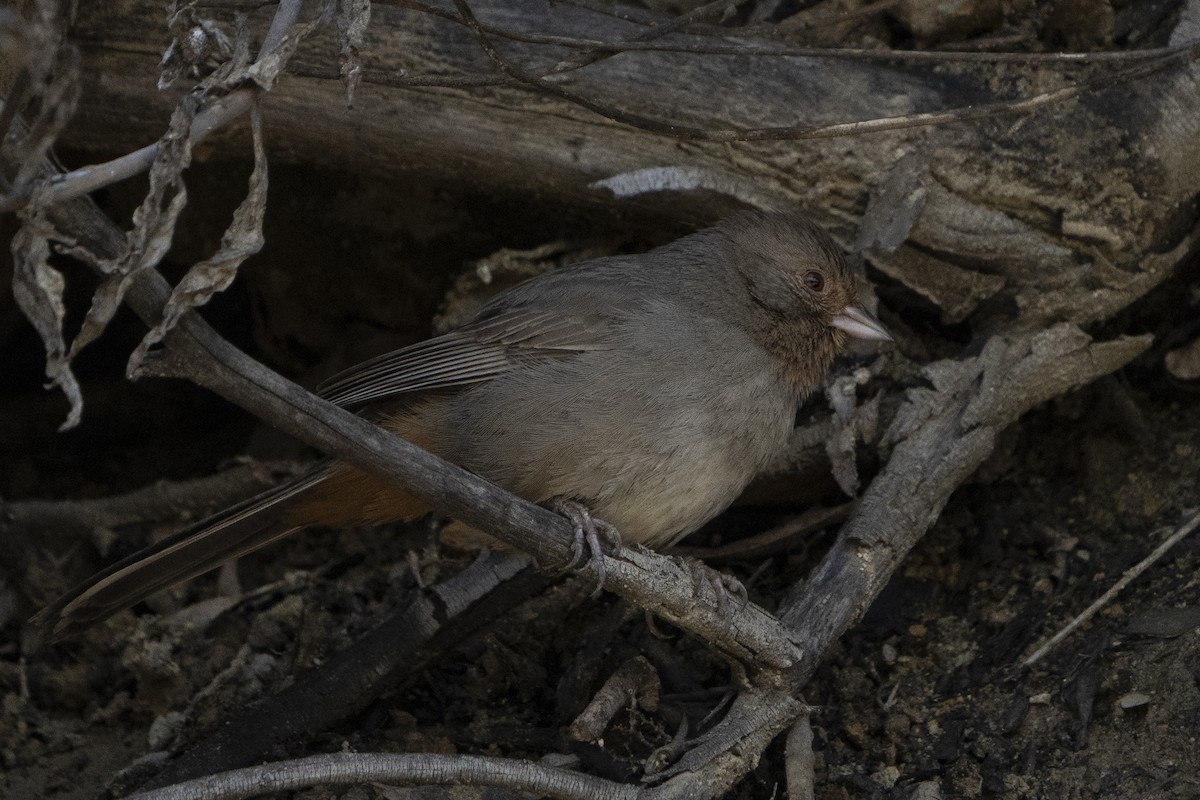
(243, 238)
(38, 291)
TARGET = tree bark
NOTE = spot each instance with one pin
(1049, 213)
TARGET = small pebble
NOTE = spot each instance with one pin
(887, 777)
(163, 730)
(927, 790)
(1133, 700)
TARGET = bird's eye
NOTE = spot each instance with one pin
(814, 280)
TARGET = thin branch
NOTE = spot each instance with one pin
(1130, 575)
(771, 541)
(623, 12)
(855, 54)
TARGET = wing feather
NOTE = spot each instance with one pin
(477, 352)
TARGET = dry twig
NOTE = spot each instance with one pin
(634, 681)
(801, 763)
(396, 770)
(771, 541)
(1128, 577)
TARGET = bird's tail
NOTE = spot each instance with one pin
(234, 532)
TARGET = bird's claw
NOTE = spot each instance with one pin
(723, 585)
(588, 530)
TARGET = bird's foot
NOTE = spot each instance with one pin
(588, 531)
(723, 584)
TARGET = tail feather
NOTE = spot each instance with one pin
(234, 532)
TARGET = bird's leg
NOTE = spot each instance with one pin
(723, 584)
(588, 530)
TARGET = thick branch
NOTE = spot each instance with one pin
(943, 435)
(1001, 196)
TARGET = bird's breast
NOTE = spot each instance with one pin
(655, 445)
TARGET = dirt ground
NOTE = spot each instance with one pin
(925, 698)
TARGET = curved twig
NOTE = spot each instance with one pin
(1106, 598)
(397, 770)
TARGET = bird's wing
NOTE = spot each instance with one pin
(477, 352)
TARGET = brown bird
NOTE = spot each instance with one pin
(646, 389)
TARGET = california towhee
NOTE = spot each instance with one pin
(646, 389)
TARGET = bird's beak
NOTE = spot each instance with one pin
(861, 325)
